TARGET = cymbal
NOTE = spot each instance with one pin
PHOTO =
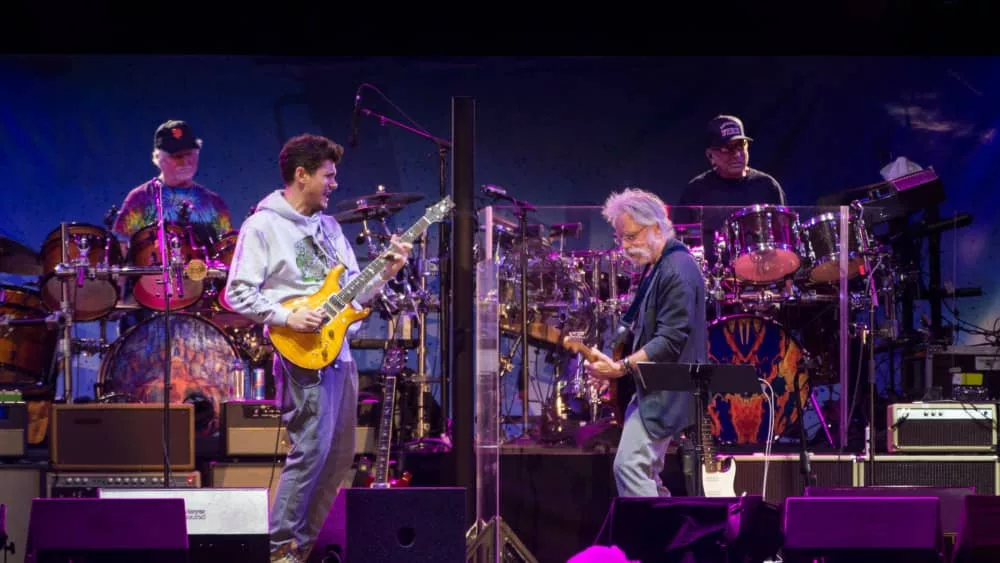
(380, 198)
(16, 258)
(362, 212)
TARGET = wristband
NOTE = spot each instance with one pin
(627, 365)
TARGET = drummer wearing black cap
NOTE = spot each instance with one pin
(176, 151)
(730, 181)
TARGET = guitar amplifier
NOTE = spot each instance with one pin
(88, 485)
(942, 427)
(254, 428)
(120, 437)
(784, 476)
(13, 429)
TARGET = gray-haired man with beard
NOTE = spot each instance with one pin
(667, 324)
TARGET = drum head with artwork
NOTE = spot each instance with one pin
(765, 344)
(201, 369)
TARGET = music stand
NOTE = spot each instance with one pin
(701, 380)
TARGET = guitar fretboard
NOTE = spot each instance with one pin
(349, 292)
(381, 470)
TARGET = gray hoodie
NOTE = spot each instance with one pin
(281, 253)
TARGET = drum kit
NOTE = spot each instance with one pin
(83, 274)
(772, 287)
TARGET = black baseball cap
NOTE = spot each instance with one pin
(725, 128)
(175, 136)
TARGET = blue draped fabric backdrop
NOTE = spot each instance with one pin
(75, 135)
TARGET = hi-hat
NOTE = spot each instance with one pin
(16, 258)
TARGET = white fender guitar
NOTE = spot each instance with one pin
(718, 476)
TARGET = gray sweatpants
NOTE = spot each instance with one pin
(320, 411)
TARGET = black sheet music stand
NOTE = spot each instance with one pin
(701, 380)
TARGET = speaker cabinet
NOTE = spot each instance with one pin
(980, 471)
(885, 529)
(693, 528)
(413, 524)
(107, 530)
(784, 474)
(222, 524)
(19, 486)
(120, 437)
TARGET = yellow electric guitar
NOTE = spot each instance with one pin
(315, 350)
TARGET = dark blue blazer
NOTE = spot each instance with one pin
(671, 327)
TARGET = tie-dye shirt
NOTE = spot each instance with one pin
(209, 216)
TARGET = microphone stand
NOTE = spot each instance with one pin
(521, 209)
(870, 333)
(444, 300)
(166, 277)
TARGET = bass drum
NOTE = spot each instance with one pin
(768, 346)
(204, 366)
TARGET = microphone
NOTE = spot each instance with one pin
(494, 191)
(355, 117)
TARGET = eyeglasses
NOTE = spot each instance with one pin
(629, 237)
(733, 147)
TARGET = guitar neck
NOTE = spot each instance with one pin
(381, 469)
(707, 445)
(350, 291)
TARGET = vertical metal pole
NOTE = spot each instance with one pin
(67, 332)
(844, 338)
(444, 296)
(462, 345)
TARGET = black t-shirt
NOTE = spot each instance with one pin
(710, 189)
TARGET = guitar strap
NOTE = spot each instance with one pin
(628, 319)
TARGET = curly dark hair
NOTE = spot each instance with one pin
(308, 151)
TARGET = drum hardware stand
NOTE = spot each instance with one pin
(67, 312)
(805, 467)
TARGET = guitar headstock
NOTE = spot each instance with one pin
(440, 210)
(577, 345)
(394, 361)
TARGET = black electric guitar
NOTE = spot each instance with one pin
(392, 366)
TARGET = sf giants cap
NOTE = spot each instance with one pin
(175, 136)
(725, 128)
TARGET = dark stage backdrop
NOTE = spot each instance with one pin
(75, 132)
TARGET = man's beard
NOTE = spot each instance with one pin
(639, 256)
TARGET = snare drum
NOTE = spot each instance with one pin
(88, 246)
(144, 251)
(821, 236)
(26, 351)
(763, 243)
